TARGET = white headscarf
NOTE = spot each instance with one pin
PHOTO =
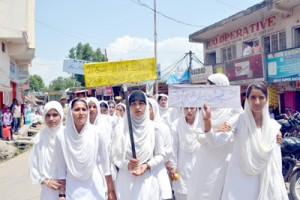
(163, 128)
(163, 110)
(257, 152)
(113, 102)
(144, 136)
(44, 147)
(80, 149)
(95, 100)
(188, 132)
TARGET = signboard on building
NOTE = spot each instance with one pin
(245, 70)
(74, 66)
(252, 30)
(107, 91)
(200, 75)
(284, 66)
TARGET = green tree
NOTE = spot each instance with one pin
(85, 52)
(36, 83)
(62, 83)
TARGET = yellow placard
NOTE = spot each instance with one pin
(126, 71)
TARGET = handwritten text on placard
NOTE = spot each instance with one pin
(127, 71)
(197, 95)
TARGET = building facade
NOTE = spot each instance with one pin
(261, 43)
(17, 39)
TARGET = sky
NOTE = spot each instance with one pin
(124, 28)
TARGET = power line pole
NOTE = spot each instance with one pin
(190, 65)
(155, 47)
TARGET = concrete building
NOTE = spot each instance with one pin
(17, 39)
(229, 46)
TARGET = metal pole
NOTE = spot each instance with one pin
(155, 46)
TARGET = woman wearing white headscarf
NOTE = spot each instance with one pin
(83, 157)
(208, 175)
(185, 145)
(168, 115)
(254, 170)
(161, 171)
(135, 180)
(42, 159)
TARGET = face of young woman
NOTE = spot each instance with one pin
(111, 107)
(257, 100)
(80, 113)
(93, 110)
(137, 108)
(103, 110)
(163, 102)
(120, 111)
(190, 113)
(52, 118)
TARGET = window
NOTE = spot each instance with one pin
(210, 58)
(3, 47)
(297, 37)
(275, 42)
(228, 53)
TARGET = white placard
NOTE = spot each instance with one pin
(196, 95)
(74, 66)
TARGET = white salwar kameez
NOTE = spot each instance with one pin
(185, 146)
(160, 171)
(208, 175)
(254, 171)
(149, 149)
(42, 163)
(83, 161)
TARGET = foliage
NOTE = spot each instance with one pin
(36, 83)
(85, 52)
(62, 83)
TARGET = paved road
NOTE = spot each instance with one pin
(15, 183)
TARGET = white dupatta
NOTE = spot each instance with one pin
(80, 149)
(144, 140)
(188, 133)
(42, 157)
(257, 153)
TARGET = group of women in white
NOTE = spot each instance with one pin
(185, 153)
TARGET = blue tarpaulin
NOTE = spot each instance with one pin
(179, 77)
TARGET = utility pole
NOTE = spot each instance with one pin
(190, 65)
(155, 47)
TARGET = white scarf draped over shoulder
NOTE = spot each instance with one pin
(42, 158)
(79, 149)
(188, 133)
(257, 153)
(144, 140)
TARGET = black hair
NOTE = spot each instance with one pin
(137, 95)
(78, 100)
(258, 85)
(159, 97)
(103, 105)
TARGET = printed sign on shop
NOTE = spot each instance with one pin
(284, 66)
